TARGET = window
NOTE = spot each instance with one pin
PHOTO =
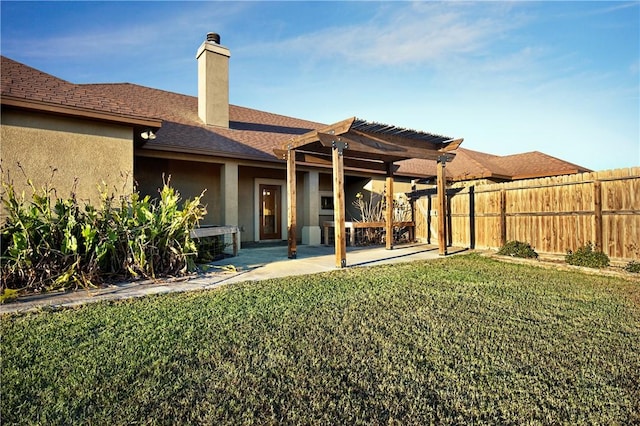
(326, 203)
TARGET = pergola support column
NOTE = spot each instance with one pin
(339, 205)
(389, 211)
(291, 205)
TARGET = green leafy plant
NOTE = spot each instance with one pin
(587, 256)
(633, 266)
(518, 249)
(53, 243)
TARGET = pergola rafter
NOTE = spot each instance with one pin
(363, 145)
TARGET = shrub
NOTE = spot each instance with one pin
(633, 266)
(60, 243)
(518, 249)
(374, 210)
(587, 256)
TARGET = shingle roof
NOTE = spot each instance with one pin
(252, 134)
(28, 87)
(537, 164)
(470, 165)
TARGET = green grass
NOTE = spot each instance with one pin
(455, 341)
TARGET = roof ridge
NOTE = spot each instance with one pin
(479, 152)
(275, 114)
(127, 83)
(580, 168)
(35, 70)
(474, 160)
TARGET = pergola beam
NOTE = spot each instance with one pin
(446, 146)
(325, 160)
(335, 129)
(364, 147)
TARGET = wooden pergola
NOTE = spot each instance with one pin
(367, 146)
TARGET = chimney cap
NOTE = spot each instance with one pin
(214, 37)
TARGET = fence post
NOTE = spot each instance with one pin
(442, 207)
(472, 217)
(503, 217)
(597, 214)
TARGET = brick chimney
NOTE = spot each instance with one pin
(213, 82)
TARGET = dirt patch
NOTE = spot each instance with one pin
(559, 263)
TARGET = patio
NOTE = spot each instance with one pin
(251, 264)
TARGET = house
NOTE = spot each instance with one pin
(75, 136)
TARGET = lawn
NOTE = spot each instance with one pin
(459, 340)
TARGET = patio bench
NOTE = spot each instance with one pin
(213, 230)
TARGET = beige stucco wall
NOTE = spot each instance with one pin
(189, 178)
(83, 153)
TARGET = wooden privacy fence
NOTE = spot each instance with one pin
(552, 214)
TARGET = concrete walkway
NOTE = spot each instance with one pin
(251, 264)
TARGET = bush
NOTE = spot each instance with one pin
(633, 266)
(76, 245)
(587, 256)
(518, 249)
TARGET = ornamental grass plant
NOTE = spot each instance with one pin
(51, 243)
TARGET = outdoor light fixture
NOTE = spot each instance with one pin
(148, 135)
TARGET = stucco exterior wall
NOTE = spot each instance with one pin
(189, 178)
(65, 153)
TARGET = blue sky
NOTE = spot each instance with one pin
(558, 77)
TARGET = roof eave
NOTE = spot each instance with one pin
(208, 152)
(71, 111)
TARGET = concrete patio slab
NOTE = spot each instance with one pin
(251, 264)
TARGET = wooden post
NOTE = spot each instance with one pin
(338, 205)
(442, 207)
(597, 215)
(291, 205)
(472, 217)
(389, 212)
(503, 217)
(429, 218)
